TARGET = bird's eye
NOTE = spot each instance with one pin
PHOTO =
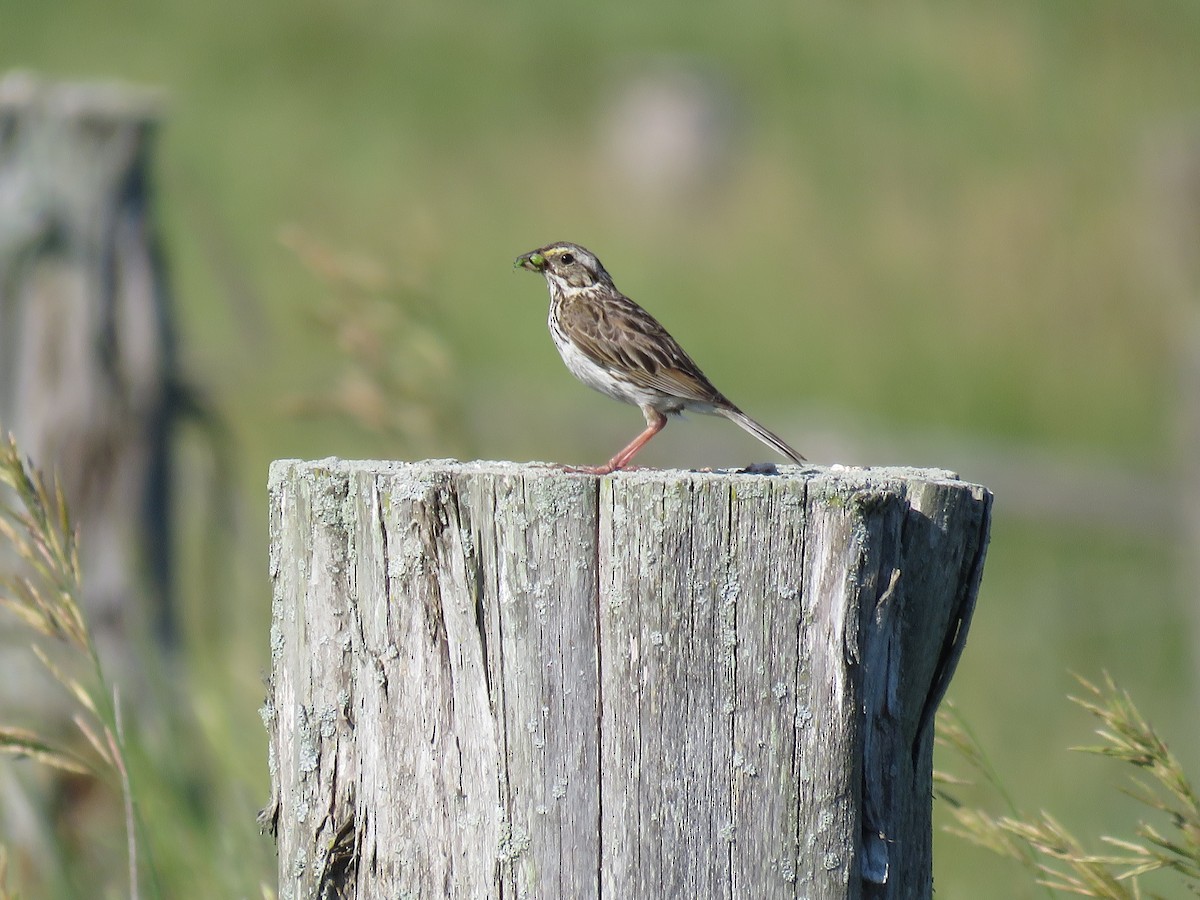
(566, 259)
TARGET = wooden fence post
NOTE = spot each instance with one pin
(493, 680)
(89, 382)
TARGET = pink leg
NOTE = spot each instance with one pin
(655, 422)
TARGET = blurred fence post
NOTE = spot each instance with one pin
(492, 680)
(87, 364)
(1171, 172)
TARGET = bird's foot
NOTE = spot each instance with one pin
(587, 470)
(607, 469)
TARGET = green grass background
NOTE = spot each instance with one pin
(937, 218)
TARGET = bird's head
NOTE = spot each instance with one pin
(566, 266)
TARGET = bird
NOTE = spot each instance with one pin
(617, 348)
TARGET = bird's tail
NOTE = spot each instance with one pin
(769, 438)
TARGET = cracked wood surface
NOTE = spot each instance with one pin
(493, 680)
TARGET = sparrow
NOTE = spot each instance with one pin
(614, 346)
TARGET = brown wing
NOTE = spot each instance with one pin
(616, 332)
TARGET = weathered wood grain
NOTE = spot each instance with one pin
(502, 681)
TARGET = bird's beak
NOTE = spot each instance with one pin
(534, 262)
